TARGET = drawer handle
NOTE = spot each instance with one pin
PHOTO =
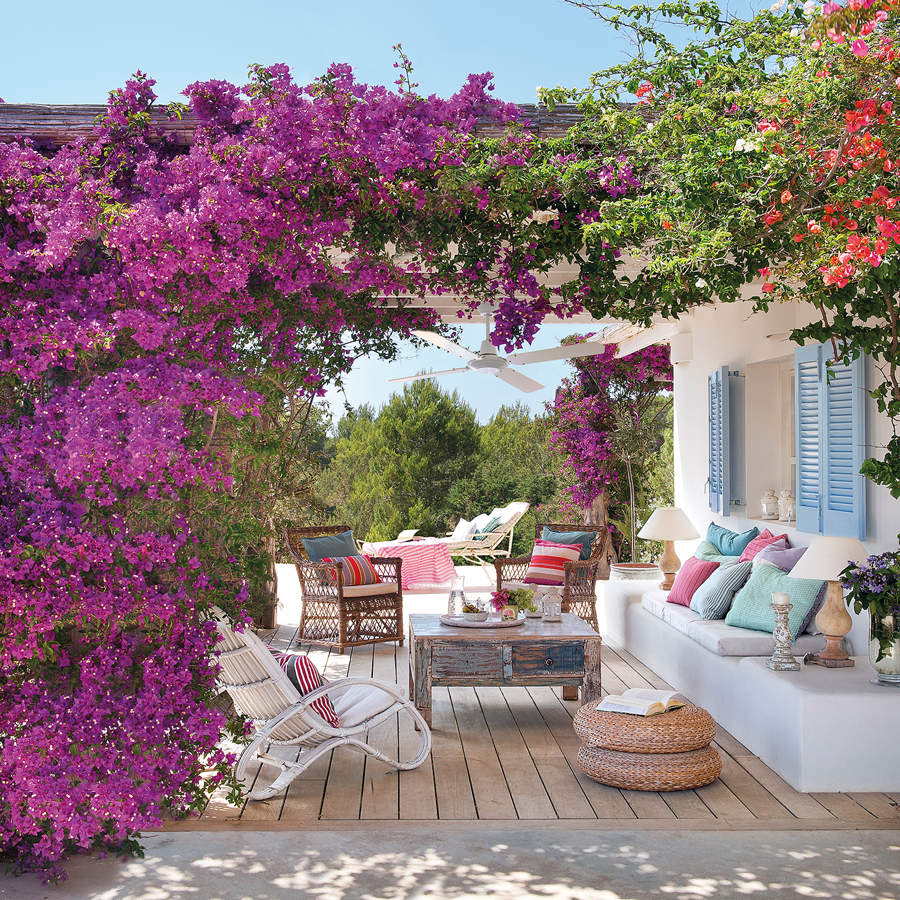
(548, 662)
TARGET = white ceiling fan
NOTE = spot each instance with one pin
(488, 360)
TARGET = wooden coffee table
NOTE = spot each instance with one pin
(536, 653)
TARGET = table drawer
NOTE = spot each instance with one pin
(543, 658)
(452, 660)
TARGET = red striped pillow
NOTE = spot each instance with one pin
(548, 562)
(692, 574)
(357, 569)
(760, 543)
(305, 677)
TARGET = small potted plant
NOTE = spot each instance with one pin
(521, 600)
(875, 585)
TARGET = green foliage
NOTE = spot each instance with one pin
(424, 462)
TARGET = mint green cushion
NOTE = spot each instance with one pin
(489, 526)
(710, 552)
(331, 546)
(585, 538)
(751, 607)
(729, 542)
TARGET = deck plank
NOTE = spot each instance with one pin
(381, 787)
(879, 805)
(803, 806)
(528, 791)
(749, 791)
(418, 799)
(492, 796)
(569, 801)
(843, 806)
(453, 788)
(687, 805)
(343, 791)
(606, 802)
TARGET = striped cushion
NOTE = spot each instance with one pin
(357, 569)
(692, 574)
(548, 561)
(305, 677)
(760, 543)
(712, 599)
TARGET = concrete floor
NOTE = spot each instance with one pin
(488, 861)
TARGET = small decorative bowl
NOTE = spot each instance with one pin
(475, 617)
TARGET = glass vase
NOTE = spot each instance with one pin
(457, 596)
(884, 645)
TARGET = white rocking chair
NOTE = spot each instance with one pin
(261, 690)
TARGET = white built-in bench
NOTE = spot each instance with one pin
(820, 729)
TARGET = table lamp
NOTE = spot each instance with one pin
(825, 559)
(668, 523)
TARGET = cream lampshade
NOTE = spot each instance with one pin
(825, 559)
(668, 523)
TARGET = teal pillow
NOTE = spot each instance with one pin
(729, 542)
(751, 607)
(585, 538)
(489, 526)
(710, 552)
(331, 545)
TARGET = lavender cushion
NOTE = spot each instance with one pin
(781, 555)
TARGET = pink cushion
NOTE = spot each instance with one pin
(548, 562)
(305, 677)
(691, 575)
(761, 542)
(357, 569)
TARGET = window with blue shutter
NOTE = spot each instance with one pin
(830, 420)
(719, 468)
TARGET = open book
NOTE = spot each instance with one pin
(642, 702)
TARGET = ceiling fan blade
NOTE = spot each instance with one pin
(570, 351)
(520, 381)
(428, 375)
(444, 343)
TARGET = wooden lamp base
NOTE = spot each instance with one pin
(669, 564)
(834, 622)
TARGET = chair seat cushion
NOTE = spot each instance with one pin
(371, 590)
(539, 590)
(360, 702)
(305, 677)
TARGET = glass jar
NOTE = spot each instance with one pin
(457, 596)
(552, 608)
(884, 645)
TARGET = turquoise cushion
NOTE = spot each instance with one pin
(751, 607)
(712, 599)
(706, 550)
(585, 538)
(489, 526)
(729, 542)
(331, 545)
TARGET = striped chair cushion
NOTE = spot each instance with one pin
(305, 677)
(357, 569)
(548, 561)
(761, 542)
(691, 575)
(712, 599)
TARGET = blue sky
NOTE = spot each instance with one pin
(67, 52)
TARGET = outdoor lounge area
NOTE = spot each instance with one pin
(506, 754)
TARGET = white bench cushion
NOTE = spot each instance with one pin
(717, 637)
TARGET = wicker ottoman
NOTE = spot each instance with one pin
(668, 752)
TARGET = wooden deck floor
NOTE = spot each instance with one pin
(509, 755)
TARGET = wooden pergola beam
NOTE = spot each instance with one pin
(53, 125)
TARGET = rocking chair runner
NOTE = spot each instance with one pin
(261, 690)
(340, 615)
(579, 586)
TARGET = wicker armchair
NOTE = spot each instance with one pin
(578, 593)
(340, 615)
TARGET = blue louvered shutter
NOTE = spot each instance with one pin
(719, 488)
(843, 447)
(830, 430)
(807, 414)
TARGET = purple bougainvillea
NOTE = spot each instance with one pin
(146, 286)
